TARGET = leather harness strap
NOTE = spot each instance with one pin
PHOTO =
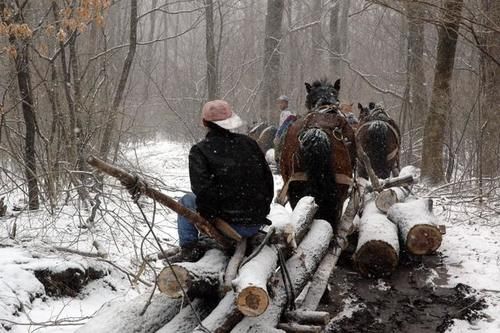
(393, 153)
(301, 176)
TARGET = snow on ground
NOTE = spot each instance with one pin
(471, 246)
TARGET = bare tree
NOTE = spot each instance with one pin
(435, 124)
(120, 90)
(211, 54)
(270, 88)
(19, 39)
(490, 77)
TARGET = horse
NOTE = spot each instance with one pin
(264, 135)
(380, 137)
(319, 153)
(347, 110)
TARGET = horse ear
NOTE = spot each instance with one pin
(360, 107)
(308, 87)
(336, 85)
(371, 106)
(352, 104)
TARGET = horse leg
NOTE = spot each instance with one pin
(296, 191)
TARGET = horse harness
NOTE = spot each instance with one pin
(337, 134)
(376, 113)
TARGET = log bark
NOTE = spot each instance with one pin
(299, 328)
(124, 317)
(234, 264)
(201, 278)
(319, 281)
(125, 178)
(185, 321)
(418, 226)
(390, 196)
(251, 285)
(223, 318)
(320, 318)
(300, 267)
(377, 253)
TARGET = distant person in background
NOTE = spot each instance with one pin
(284, 110)
(287, 118)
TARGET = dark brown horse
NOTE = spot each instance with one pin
(379, 136)
(319, 152)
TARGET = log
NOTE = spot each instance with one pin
(391, 196)
(3, 207)
(185, 321)
(251, 284)
(377, 253)
(300, 267)
(127, 179)
(124, 317)
(320, 279)
(299, 328)
(418, 226)
(223, 318)
(320, 318)
(234, 264)
(201, 278)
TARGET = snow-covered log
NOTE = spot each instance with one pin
(200, 278)
(251, 283)
(377, 253)
(319, 281)
(417, 225)
(410, 170)
(185, 321)
(300, 267)
(125, 316)
(223, 318)
(302, 217)
(390, 196)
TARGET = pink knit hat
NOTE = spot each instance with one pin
(220, 113)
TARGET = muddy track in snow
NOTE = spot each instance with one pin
(412, 300)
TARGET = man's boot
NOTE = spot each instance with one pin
(188, 253)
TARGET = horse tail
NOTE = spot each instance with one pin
(316, 159)
(377, 148)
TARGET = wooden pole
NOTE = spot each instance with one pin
(127, 180)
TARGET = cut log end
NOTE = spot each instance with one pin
(168, 284)
(252, 301)
(423, 239)
(376, 258)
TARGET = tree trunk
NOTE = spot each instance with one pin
(201, 278)
(434, 135)
(316, 59)
(23, 74)
(120, 90)
(490, 74)
(335, 61)
(125, 317)
(415, 64)
(212, 66)
(300, 268)
(417, 225)
(185, 321)
(377, 253)
(270, 88)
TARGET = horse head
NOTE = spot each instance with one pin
(322, 93)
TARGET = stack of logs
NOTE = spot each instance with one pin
(258, 299)
(390, 218)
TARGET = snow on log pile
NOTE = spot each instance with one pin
(27, 274)
(417, 225)
(377, 253)
(408, 218)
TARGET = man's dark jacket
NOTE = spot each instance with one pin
(230, 178)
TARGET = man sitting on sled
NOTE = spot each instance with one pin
(230, 180)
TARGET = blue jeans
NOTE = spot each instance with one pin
(188, 233)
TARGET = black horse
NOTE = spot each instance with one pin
(379, 136)
(318, 152)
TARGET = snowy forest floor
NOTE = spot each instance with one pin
(456, 290)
